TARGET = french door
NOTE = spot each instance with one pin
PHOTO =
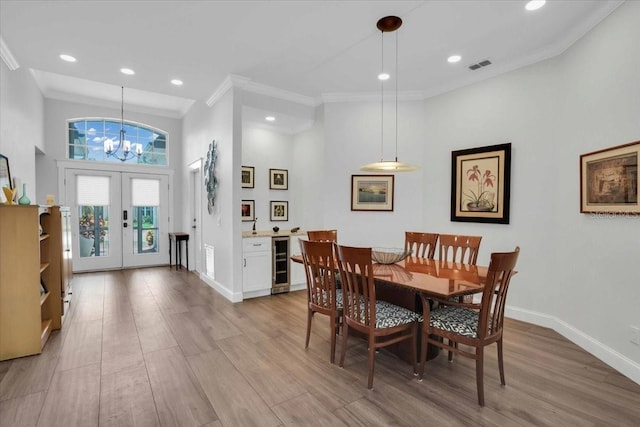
(119, 219)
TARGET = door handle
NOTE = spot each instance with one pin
(245, 262)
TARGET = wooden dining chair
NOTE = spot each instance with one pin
(476, 325)
(421, 244)
(320, 270)
(323, 235)
(383, 323)
(458, 248)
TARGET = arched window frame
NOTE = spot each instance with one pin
(86, 143)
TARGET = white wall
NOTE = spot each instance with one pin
(21, 124)
(222, 228)
(266, 149)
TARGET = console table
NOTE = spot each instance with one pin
(178, 237)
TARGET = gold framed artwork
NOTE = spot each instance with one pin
(279, 210)
(481, 184)
(609, 180)
(372, 192)
(247, 177)
(248, 210)
(278, 179)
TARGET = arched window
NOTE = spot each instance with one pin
(87, 138)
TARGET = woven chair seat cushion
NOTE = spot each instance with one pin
(389, 315)
(459, 320)
(338, 300)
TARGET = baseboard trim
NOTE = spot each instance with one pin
(231, 296)
(611, 357)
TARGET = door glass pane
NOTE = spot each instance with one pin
(145, 230)
(93, 230)
(93, 214)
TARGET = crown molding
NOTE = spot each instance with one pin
(245, 83)
(7, 56)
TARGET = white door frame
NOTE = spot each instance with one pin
(195, 212)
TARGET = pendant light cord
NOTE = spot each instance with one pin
(382, 101)
(397, 95)
(122, 115)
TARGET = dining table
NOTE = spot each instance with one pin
(402, 283)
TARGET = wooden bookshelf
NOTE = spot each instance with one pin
(27, 257)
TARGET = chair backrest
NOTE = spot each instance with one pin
(358, 287)
(494, 296)
(462, 249)
(323, 235)
(421, 244)
(320, 269)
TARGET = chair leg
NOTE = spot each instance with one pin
(309, 319)
(500, 362)
(423, 354)
(343, 351)
(453, 344)
(372, 361)
(414, 347)
(332, 357)
(480, 374)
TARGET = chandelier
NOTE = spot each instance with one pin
(388, 24)
(121, 151)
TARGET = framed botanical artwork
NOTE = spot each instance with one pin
(609, 180)
(278, 179)
(279, 211)
(481, 184)
(5, 176)
(372, 192)
(247, 176)
(248, 210)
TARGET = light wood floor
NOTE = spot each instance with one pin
(159, 347)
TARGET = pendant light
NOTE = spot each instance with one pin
(388, 24)
(123, 143)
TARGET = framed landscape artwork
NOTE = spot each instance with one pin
(372, 192)
(278, 179)
(480, 184)
(609, 180)
(248, 210)
(247, 176)
(279, 211)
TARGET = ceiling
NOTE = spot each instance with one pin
(313, 49)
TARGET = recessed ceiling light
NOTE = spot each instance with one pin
(127, 71)
(67, 58)
(383, 76)
(535, 4)
(270, 119)
(176, 82)
(454, 58)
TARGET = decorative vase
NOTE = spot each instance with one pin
(9, 194)
(24, 200)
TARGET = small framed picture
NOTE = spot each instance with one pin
(247, 176)
(372, 192)
(609, 180)
(278, 179)
(279, 211)
(248, 210)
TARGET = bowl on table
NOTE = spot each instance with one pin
(388, 255)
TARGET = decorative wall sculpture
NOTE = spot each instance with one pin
(210, 181)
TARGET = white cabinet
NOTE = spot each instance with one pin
(256, 266)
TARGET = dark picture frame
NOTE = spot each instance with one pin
(481, 184)
(247, 177)
(248, 210)
(5, 176)
(609, 180)
(279, 210)
(278, 179)
(372, 192)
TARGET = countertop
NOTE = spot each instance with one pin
(271, 233)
